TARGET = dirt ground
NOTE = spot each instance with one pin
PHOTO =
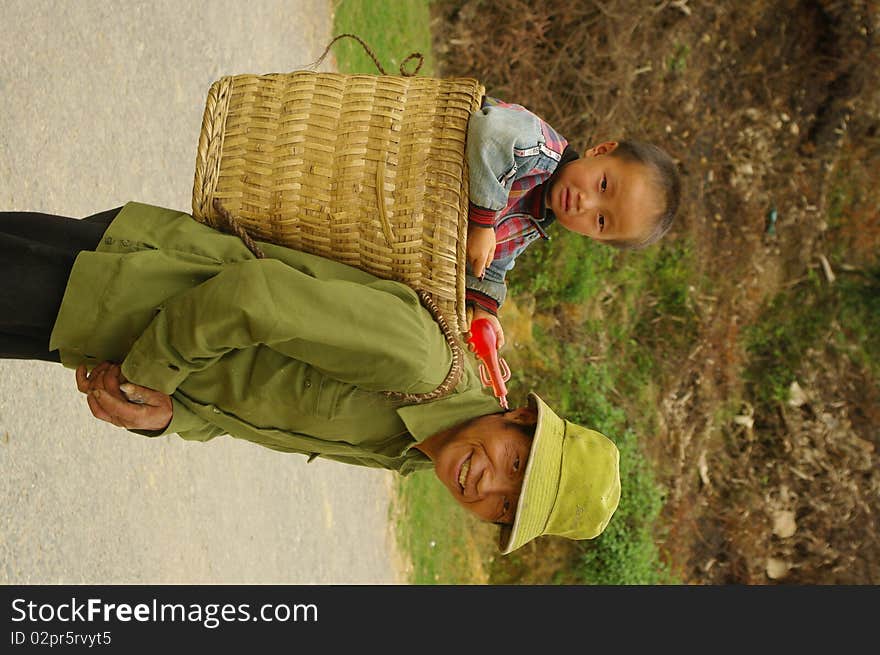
(771, 108)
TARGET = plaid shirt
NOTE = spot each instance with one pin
(508, 190)
(526, 219)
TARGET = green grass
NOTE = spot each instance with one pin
(813, 315)
(777, 342)
(859, 318)
(393, 29)
(445, 543)
(564, 270)
(626, 553)
(677, 63)
(818, 316)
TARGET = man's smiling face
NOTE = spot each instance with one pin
(482, 463)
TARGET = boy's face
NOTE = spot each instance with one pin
(605, 197)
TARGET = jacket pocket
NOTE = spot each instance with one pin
(326, 394)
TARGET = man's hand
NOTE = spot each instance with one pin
(113, 399)
(493, 320)
(480, 248)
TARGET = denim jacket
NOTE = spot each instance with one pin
(511, 153)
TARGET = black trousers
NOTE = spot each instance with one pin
(37, 252)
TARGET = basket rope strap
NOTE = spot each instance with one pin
(238, 229)
(369, 51)
(453, 377)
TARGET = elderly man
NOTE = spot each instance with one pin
(174, 327)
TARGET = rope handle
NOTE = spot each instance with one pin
(372, 55)
(238, 229)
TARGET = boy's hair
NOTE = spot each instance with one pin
(666, 179)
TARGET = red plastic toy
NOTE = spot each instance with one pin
(494, 371)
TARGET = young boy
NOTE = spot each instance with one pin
(524, 176)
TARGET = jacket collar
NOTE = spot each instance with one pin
(468, 400)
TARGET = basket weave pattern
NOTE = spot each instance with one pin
(367, 170)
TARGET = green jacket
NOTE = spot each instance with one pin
(291, 352)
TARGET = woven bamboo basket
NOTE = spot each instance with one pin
(367, 170)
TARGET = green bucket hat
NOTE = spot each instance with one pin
(571, 485)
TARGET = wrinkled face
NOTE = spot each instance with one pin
(606, 197)
(482, 466)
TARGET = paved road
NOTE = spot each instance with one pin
(102, 103)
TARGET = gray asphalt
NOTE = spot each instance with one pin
(101, 103)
